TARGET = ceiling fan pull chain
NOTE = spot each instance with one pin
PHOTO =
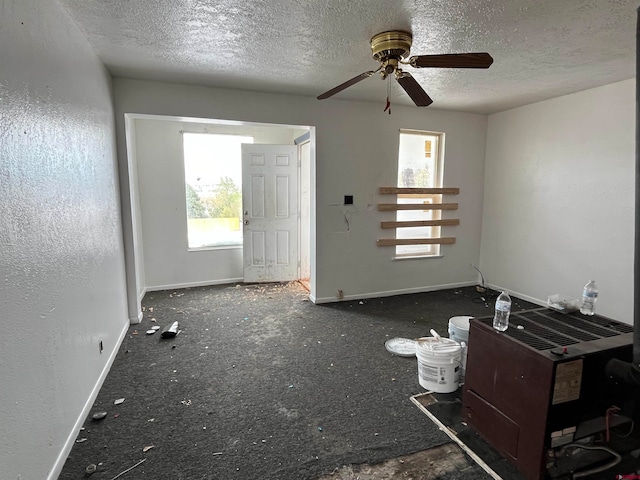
(388, 104)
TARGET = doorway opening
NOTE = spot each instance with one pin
(168, 246)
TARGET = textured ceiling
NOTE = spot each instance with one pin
(541, 48)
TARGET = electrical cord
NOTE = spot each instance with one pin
(481, 276)
(585, 473)
(626, 434)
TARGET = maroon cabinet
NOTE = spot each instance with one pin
(528, 389)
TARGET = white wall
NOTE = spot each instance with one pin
(559, 198)
(163, 214)
(62, 273)
(355, 153)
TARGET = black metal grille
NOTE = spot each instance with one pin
(544, 329)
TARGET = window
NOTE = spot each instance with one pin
(419, 166)
(213, 177)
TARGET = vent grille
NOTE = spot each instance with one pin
(544, 329)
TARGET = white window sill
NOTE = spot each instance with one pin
(417, 257)
(221, 247)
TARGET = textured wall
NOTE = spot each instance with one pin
(559, 198)
(357, 151)
(61, 266)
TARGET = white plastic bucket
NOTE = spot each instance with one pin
(459, 332)
(459, 328)
(463, 364)
(438, 364)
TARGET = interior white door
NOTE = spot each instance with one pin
(270, 212)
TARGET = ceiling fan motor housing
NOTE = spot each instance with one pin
(394, 45)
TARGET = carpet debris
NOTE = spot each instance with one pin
(118, 401)
(129, 469)
(170, 331)
(254, 390)
(147, 448)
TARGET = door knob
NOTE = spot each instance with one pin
(246, 222)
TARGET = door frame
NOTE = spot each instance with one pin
(304, 209)
(131, 216)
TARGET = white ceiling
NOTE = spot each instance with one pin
(541, 48)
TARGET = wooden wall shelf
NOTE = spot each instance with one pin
(417, 192)
(421, 223)
(392, 242)
(392, 207)
(424, 191)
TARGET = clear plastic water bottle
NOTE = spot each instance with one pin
(503, 309)
(589, 297)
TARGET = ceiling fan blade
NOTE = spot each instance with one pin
(346, 84)
(414, 90)
(452, 60)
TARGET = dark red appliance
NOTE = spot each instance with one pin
(541, 383)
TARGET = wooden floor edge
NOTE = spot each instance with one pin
(455, 438)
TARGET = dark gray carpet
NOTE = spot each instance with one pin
(263, 384)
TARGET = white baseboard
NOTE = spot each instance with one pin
(206, 283)
(138, 318)
(537, 301)
(390, 293)
(71, 439)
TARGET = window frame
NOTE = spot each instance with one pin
(403, 252)
(219, 246)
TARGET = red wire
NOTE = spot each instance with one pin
(610, 411)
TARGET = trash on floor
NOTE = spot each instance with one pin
(99, 415)
(118, 401)
(170, 330)
(403, 347)
(147, 448)
(129, 469)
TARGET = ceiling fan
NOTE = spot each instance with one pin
(392, 48)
